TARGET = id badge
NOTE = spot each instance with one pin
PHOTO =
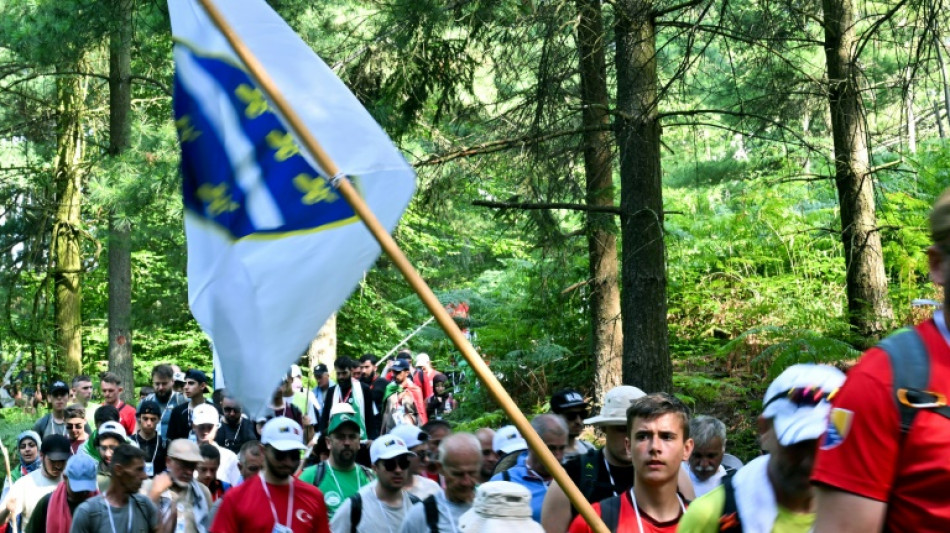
(278, 528)
(150, 469)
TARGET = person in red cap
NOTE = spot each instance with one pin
(275, 501)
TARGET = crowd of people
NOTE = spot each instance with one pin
(372, 452)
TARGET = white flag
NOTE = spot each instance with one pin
(273, 249)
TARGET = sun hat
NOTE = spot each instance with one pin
(500, 506)
(283, 434)
(387, 447)
(508, 440)
(184, 450)
(798, 403)
(81, 473)
(616, 402)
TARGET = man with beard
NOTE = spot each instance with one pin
(29, 489)
(165, 396)
(658, 443)
(121, 508)
(236, 429)
(383, 505)
(459, 460)
(54, 512)
(177, 488)
(773, 492)
(357, 394)
(486, 437)
(275, 501)
(339, 477)
(599, 474)
(375, 382)
(147, 438)
(705, 463)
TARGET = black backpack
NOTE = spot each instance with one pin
(430, 505)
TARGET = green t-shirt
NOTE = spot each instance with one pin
(703, 516)
(337, 485)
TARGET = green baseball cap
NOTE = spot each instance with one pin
(342, 413)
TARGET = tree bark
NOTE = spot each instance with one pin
(909, 112)
(646, 355)
(604, 302)
(67, 259)
(938, 48)
(323, 347)
(869, 309)
(120, 230)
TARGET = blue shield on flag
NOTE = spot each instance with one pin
(273, 248)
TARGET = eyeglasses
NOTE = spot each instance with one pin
(74, 426)
(803, 396)
(280, 455)
(390, 464)
(575, 415)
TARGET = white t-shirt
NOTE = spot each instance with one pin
(449, 514)
(702, 487)
(423, 487)
(28, 491)
(376, 517)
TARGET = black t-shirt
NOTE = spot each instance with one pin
(155, 451)
(234, 438)
(602, 488)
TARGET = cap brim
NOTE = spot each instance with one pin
(606, 421)
(512, 447)
(392, 454)
(572, 405)
(333, 427)
(286, 445)
(805, 423)
(188, 458)
(82, 485)
(59, 455)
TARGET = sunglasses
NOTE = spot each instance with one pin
(575, 415)
(74, 426)
(289, 454)
(390, 464)
(803, 396)
(231, 409)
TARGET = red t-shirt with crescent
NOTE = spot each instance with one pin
(245, 508)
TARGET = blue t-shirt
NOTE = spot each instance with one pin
(524, 476)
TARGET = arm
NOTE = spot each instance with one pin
(556, 510)
(844, 512)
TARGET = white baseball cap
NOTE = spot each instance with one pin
(283, 434)
(205, 414)
(112, 428)
(422, 359)
(508, 440)
(410, 434)
(616, 402)
(387, 447)
(798, 404)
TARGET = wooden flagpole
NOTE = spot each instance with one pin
(389, 246)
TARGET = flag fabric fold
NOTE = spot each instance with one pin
(273, 248)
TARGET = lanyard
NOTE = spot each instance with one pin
(339, 489)
(128, 529)
(157, 442)
(613, 484)
(290, 502)
(636, 509)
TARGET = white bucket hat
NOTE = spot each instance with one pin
(616, 402)
(500, 506)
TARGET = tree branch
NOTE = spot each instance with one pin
(549, 205)
(667, 10)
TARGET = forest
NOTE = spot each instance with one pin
(682, 195)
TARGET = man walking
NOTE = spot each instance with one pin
(54, 512)
(275, 501)
(54, 422)
(570, 404)
(709, 447)
(339, 477)
(180, 419)
(658, 444)
(486, 437)
(376, 383)
(147, 438)
(121, 508)
(402, 401)
(177, 488)
(383, 504)
(29, 489)
(354, 392)
(82, 394)
(163, 382)
(76, 427)
(236, 428)
(460, 458)
(111, 387)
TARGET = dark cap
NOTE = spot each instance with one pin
(58, 386)
(567, 399)
(320, 370)
(196, 375)
(404, 354)
(440, 378)
(149, 407)
(56, 448)
(400, 364)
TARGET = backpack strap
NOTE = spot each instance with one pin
(356, 511)
(432, 513)
(320, 473)
(910, 366)
(610, 512)
(729, 519)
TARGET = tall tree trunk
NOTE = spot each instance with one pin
(646, 354)
(938, 48)
(868, 306)
(120, 231)
(67, 260)
(604, 303)
(909, 112)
